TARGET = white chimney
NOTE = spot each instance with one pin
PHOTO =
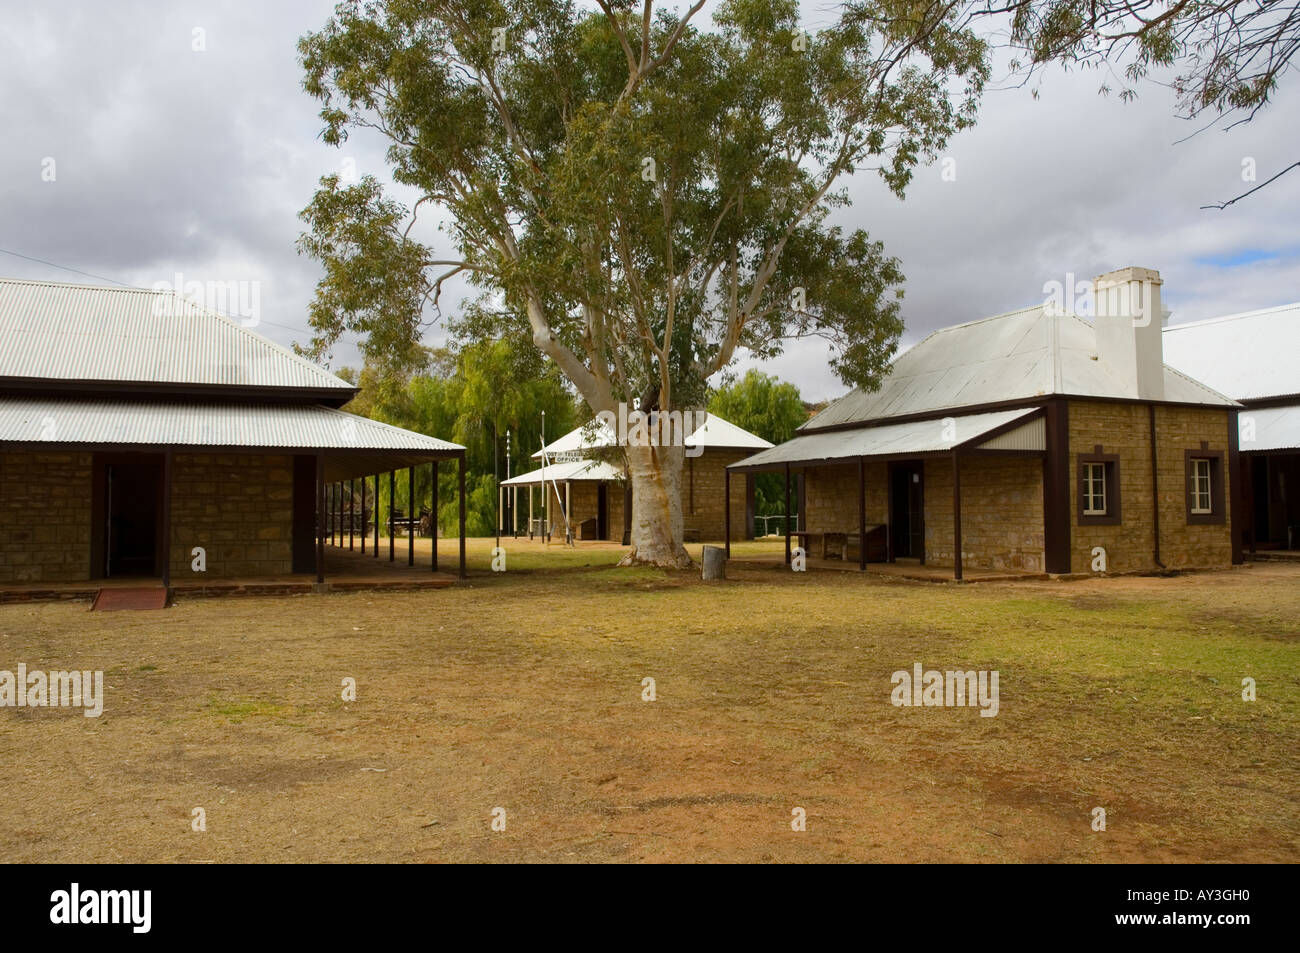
(1129, 318)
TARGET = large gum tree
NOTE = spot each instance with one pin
(639, 192)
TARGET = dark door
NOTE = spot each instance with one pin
(133, 518)
(907, 510)
(602, 511)
(1259, 497)
(304, 513)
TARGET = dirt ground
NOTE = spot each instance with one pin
(524, 691)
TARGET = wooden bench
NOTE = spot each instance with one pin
(407, 524)
(877, 544)
(805, 540)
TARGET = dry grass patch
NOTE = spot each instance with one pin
(523, 690)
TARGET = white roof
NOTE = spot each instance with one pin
(917, 436)
(576, 470)
(593, 435)
(714, 433)
(1247, 356)
(65, 332)
(1270, 428)
(1020, 355)
(153, 423)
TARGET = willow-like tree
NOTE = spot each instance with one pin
(638, 192)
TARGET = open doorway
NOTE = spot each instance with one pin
(129, 494)
(907, 510)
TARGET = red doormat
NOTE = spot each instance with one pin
(109, 600)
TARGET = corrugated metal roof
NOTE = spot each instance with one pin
(593, 435)
(917, 436)
(1028, 436)
(715, 433)
(1247, 356)
(62, 421)
(1270, 428)
(1020, 355)
(560, 472)
(65, 332)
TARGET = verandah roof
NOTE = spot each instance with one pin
(1274, 428)
(353, 445)
(575, 471)
(934, 435)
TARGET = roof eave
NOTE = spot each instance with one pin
(63, 387)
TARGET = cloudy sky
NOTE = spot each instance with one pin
(146, 142)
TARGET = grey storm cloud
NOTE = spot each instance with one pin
(176, 160)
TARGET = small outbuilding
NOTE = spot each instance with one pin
(145, 437)
(579, 476)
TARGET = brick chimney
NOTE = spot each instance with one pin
(1129, 317)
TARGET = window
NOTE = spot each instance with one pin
(1205, 486)
(1201, 498)
(1098, 488)
(1094, 489)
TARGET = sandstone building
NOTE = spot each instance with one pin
(1033, 441)
(137, 428)
(596, 496)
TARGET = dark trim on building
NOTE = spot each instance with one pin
(1217, 515)
(170, 390)
(956, 515)
(321, 517)
(1155, 486)
(165, 534)
(862, 514)
(1237, 500)
(1056, 488)
(726, 510)
(1114, 511)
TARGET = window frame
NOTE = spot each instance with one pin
(1217, 514)
(1110, 465)
(1202, 467)
(1094, 488)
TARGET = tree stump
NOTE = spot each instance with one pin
(714, 561)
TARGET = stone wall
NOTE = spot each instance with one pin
(1001, 512)
(239, 508)
(703, 495)
(45, 516)
(831, 497)
(1124, 430)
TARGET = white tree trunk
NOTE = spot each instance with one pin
(656, 475)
